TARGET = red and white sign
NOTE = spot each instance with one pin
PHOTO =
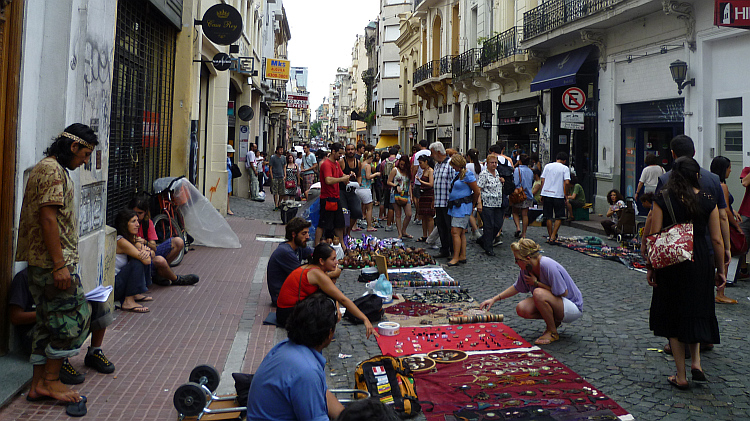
(378, 370)
(732, 13)
(573, 99)
(297, 101)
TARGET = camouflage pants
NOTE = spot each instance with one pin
(62, 316)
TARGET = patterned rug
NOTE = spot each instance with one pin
(468, 337)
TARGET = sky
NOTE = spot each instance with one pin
(323, 35)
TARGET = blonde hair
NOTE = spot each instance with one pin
(366, 156)
(450, 152)
(458, 161)
(525, 247)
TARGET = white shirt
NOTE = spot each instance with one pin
(650, 175)
(249, 159)
(423, 152)
(554, 176)
(298, 161)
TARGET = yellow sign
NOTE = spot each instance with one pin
(277, 69)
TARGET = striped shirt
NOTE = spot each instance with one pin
(443, 176)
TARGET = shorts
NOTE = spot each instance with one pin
(416, 192)
(386, 197)
(330, 220)
(572, 313)
(277, 186)
(308, 180)
(525, 204)
(63, 317)
(460, 221)
(348, 199)
(556, 205)
(365, 195)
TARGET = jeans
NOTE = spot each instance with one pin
(131, 280)
(493, 222)
(443, 224)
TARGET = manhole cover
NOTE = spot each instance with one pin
(271, 238)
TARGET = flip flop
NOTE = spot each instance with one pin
(136, 309)
(698, 375)
(421, 239)
(371, 229)
(554, 337)
(408, 236)
(146, 298)
(40, 398)
(77, 409)
(673, 381)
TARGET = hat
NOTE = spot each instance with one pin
(230, 149)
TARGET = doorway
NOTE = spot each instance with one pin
(730, 146)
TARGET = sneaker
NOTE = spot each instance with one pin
(418, 222)
(389, 227)
(497, 242)
(158, 280)
(99, 362)
(69, 375)
(186, 280)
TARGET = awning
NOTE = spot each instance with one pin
(386, 142)
(560, 70)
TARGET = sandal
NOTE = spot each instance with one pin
(144, 298)
(371, 229)
(544, 341)
(408, 236)
(673, 381)
(421, 239)
(138, 309)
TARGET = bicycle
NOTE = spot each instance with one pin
(168, 222)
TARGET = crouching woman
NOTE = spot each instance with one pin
(132, 264)
(555, 298)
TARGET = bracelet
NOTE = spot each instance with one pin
(55, 270)
(536, 282)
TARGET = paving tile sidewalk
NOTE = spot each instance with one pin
(187, 326)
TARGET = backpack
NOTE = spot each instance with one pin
(389, 380)
(387, 167)
(506, 172)
(371, 305)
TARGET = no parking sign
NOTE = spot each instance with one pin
(573, 99)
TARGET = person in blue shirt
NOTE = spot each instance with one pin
(289, 256)
(523, 177)
(555, 298)
(290, 383)
(462, 197)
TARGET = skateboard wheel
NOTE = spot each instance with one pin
(207, 375)
(190, 399)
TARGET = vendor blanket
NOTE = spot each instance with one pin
(632, 259)
(468, 337)
(439, 317)
(486, 386)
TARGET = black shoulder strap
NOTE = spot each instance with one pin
(665, 194)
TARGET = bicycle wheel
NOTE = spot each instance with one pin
(167, 227)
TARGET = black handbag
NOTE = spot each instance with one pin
(371, 305)
(236, 172)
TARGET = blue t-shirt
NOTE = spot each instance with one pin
(526, 179)
(290, 384)
(554, 275)
(282, 262)
(461, 189)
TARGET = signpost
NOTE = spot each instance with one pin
(573, 99)
(571, 126)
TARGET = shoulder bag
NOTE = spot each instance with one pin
(671, 245)
(518, 195)
(236, 173)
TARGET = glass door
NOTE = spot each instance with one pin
(730, 146)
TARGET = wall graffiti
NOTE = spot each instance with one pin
(91, 211)
(97, 87)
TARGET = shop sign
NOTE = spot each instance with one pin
(222, 61)
(444, 131)
(573, 99)
(571, 117)
(150, 129)
(477, 119)
(277, 69)
(572, 126)
(222, 24)
(732, 13)
(297, 101)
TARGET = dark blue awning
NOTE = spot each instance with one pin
(560, 70)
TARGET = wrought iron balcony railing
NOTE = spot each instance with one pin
(502, 46)
(426, 71)
(467, 62)
(555, 13)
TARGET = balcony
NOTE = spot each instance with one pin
(467, 63)
(502, 46)
(402, 111)
(432, 78)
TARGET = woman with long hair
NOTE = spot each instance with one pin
(682, 305)
(473, 165)
(463, 196)
(132, 263)
(313, 277)
(722, 167)
(426, 196)
(555, 298)
(400, 182)
(364, 191)
(616, 202)
(291, 173)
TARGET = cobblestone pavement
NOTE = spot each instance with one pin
(609, 345)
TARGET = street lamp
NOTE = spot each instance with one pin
(678, 69)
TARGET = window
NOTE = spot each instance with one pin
(389, 105)
(731, 136)
(731, 107)
(391, 69)
(392, 33)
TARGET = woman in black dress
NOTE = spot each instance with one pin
(682, 306)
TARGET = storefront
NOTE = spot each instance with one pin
(518, 123)
(482, 121)
(647, 128)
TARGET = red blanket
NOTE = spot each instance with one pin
(485, 386)
(468, 337)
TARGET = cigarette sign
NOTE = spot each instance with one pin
(277, 69)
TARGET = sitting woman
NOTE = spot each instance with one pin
(554, 296)
(132, 264)
(311, 278)
(616, 202)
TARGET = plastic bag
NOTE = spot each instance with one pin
(202, 221)
(383, 288)
(311, 212)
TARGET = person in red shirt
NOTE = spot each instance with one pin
(331, 215)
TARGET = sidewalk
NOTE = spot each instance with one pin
(187, 326)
